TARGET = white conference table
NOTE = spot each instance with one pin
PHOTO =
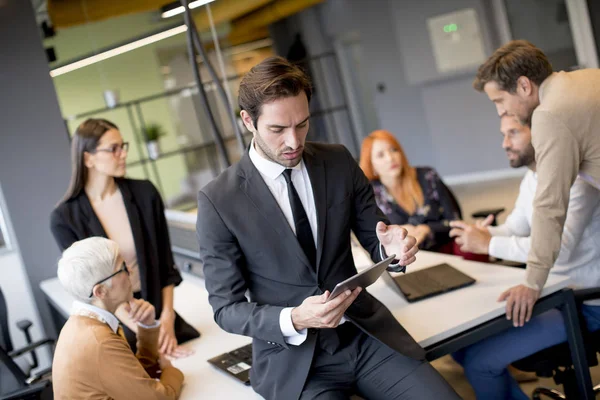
(430, 322)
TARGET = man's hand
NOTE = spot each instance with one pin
(395, 240)
(419, 232)
(484, 223)
(471, 238)
(141, 311)
(519, 303)
(316, 312)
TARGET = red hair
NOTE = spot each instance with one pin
(409, 195)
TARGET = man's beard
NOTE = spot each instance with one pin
(524, 159)
(267, 152)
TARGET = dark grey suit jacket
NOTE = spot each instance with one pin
(246, 244)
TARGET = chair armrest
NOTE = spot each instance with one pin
(28, 391)
(485, 213)
(24, 324)
(582, 295)
(39, 376)
(30, 347)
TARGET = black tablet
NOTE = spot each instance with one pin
(363, 279)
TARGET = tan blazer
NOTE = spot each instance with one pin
(565, 133)
(93, 362)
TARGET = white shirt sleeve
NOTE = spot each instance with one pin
(290, 335)
(513, 248)
(510, 241)
(583, 200)
(517, 223)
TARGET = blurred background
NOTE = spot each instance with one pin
(401, 65)
(404, 66)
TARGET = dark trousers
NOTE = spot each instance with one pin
(370, 369)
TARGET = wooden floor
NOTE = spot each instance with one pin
(455, 376)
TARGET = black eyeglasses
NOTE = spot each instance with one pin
(115, 149)
(122, 269)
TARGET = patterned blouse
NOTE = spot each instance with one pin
(439, 208)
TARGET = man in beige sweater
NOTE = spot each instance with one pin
(563, 110)
(92, 359)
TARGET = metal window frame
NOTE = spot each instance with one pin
(7, 234)
(579, 22)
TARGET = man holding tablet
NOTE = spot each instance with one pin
(274, 235)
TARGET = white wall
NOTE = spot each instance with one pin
(441, 121)
(16, 288)
(478, 196)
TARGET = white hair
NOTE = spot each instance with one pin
(85, 263)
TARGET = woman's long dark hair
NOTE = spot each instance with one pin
(85, 139)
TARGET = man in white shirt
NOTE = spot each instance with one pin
(579, 256)
(485, 362)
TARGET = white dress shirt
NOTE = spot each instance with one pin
(272, 174)
(579, 256)
(107, 317)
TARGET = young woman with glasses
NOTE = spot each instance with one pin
(100, 201)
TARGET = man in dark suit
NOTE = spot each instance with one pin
(274, 234)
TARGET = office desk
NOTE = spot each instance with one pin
(441, 324)
(452, 321)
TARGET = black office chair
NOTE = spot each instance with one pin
(555, 362)
(17, 382)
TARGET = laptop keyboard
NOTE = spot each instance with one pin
(237, 363)
(243, 354)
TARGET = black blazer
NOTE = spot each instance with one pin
(76, 220)
(247, 245)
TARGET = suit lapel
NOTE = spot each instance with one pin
(93, 223)
(316, 173)
(261, 197)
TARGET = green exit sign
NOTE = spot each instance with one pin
(450, 28)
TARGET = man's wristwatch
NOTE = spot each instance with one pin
(394, 265)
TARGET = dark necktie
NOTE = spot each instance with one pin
(303, 231)
(328, 338)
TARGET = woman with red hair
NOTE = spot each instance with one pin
(415, 198)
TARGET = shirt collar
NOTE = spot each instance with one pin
(267, 167)
(104, 315)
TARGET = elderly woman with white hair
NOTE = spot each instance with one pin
(92, 358)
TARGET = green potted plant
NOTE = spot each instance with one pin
(152, 133)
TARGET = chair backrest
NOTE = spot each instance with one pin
(455, 202)
(11, 376)
(5, 340)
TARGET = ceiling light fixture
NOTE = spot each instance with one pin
(117, 50)
(179, 9)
